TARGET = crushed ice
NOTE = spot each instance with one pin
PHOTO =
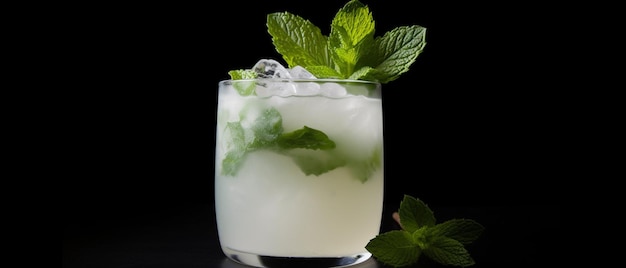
(268, 68)
(272, 69)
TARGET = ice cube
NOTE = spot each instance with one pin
(308, 89)
(285, 89)
(276, 89)
(333, 90)
(268, 68)
(300, 72)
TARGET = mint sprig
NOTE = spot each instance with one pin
(351, 50)
(444, 242)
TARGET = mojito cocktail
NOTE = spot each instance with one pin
(299, 169)
(299, 152)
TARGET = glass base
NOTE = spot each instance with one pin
(300, 262)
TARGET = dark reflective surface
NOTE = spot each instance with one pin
(371, 263)
(184, 235)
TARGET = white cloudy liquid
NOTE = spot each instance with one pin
(271, 207)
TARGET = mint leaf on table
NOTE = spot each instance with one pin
(415, 214)
(444, 242)
(462, 230)
(395, 248)
(448, 251)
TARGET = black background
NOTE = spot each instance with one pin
(470, 125)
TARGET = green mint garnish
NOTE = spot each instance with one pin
(298, 40)
(351, 51)
(242, 74)
(444, 242)
(244, 88)
(311, 149)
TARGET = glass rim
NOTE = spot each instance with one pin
(322, 80)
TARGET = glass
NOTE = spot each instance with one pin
(298, 171)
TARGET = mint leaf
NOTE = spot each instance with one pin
(462, 230)
(242, 74)
(364, 169)
(244, 88)
(364, 73)
(415, 214)
(395, 248)
(307, 138)
(261, 134)
(310, 162)
(448, 251)
(324, 72)
(443, 243)
(267, 128)
(315, 162)
(395, 52)
(236, 148)
(351, 36)
(298, 40)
